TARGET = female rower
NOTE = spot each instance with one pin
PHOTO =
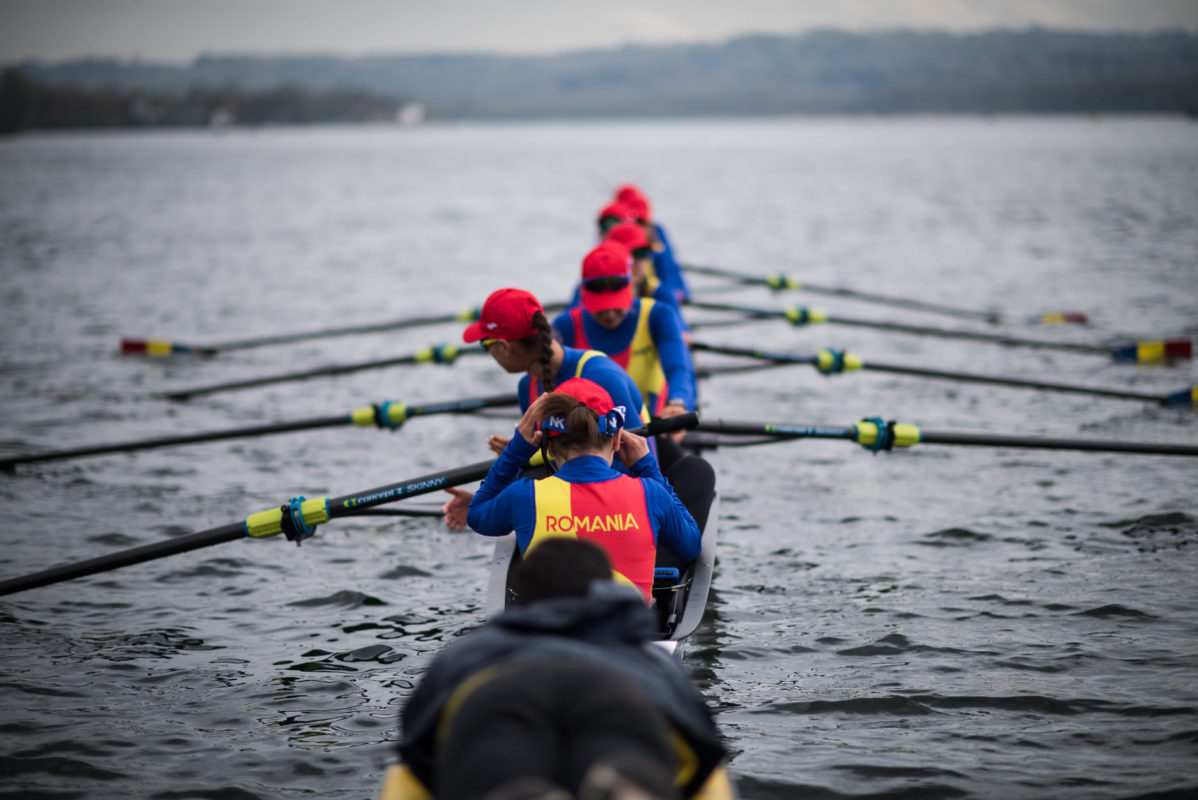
(643, 336)
(513, 328)
(582, 430)
(664, 262)
(645, 282)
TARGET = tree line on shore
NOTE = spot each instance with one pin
(27, 104)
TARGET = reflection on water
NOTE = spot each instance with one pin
(937, 622)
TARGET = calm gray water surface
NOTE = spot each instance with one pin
(937, 622)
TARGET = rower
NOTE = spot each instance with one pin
(581, 430)
(646, 338)
(558, 697)
(515, 332)
(643, 336)
(645, 282)
(664, 263)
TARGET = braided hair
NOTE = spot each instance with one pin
(542, 340)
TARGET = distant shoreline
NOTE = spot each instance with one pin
(817, 73)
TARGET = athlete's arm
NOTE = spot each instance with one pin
(666, 328)
(677, 530)
(504, 471)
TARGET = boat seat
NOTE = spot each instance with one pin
(670, 587)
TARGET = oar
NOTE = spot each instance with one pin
(1144, 352)
(831, 362)
(403, 511)
(388, 415)
(779, 282)
(297, 520)
(874, 434)
(165, 347)
(441, 354)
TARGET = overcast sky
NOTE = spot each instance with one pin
(179, 30)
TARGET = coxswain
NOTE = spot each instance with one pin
(580, 429)
(562, 695)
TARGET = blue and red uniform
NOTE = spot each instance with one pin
(628, 515)
(648, 344)
(597, 367)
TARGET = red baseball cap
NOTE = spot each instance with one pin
(615, 210)
(629, 234)
(507, 314)
(631, 195)
(594, 397)
(587, 392)
(628, 190)
(607, 277)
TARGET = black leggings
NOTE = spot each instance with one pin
(693, 478)
(552, 721)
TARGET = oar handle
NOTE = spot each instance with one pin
(667, 424)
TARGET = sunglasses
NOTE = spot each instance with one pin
(486, 343)
(606, 283)
(642, 252)
(607, 223)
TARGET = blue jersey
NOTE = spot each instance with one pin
(505, 502)
(666, 266)
(603, 371)
(665, 328)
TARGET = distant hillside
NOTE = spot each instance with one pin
(823, 72)
(30, 105)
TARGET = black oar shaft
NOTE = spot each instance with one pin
(430, 355)
(168, 441)
(867, 432)
(299, 375)
(342, 506)
(776, 430)
(372, 418)
(1016, 382)
(975, 336)
(346, 505)
(778, 282)
(158, 347)
(901, 327)
(1046, 443)
(346, 330)
(125, 558)
(778, 357)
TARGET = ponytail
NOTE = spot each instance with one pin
(582, 425)
(542, 342)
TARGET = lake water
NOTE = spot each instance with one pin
(939, 622)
